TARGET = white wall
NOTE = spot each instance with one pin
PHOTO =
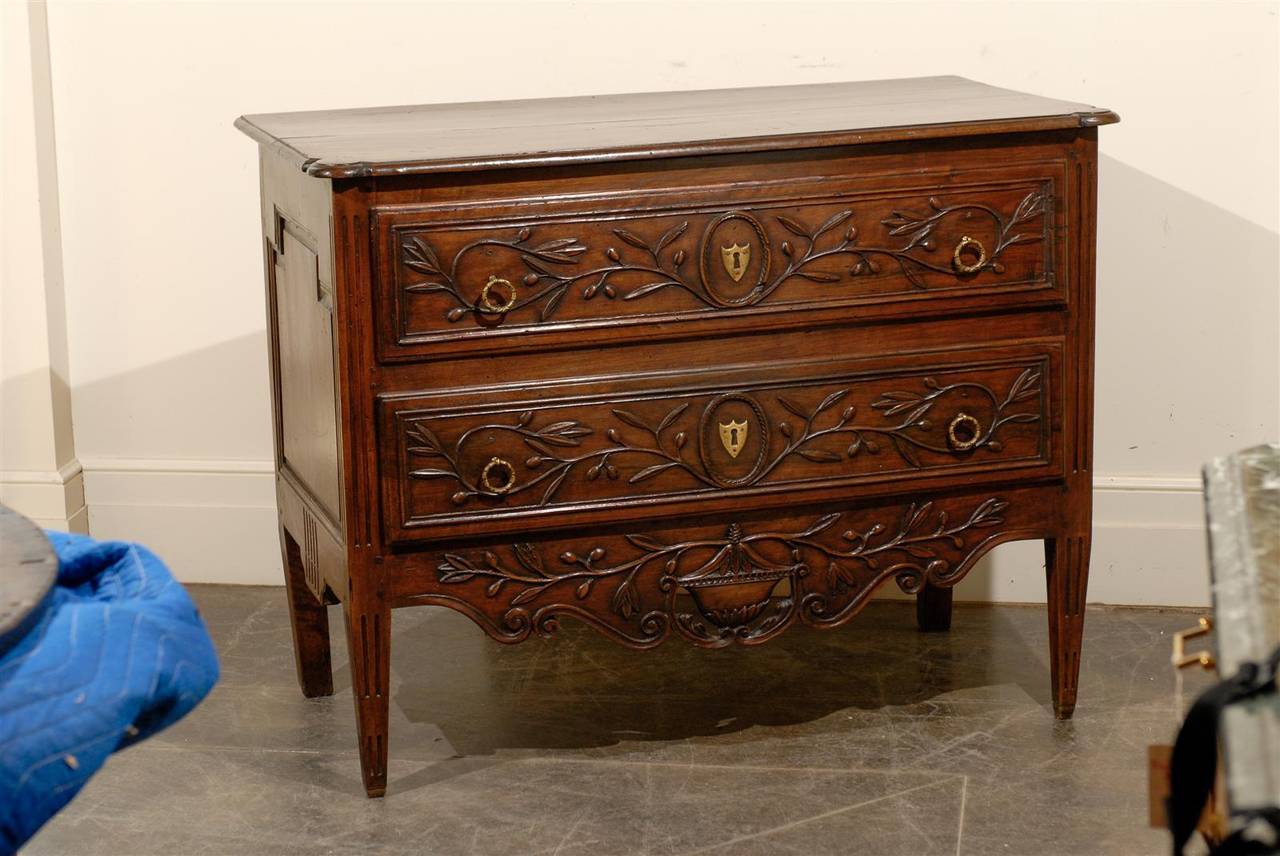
(162, 258)
(39, 473)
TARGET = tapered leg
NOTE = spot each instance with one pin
(310, 620)
(933, 609)
(1067, 566)
(369, 641)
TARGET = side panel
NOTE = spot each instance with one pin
(301, 332)
(304, 337)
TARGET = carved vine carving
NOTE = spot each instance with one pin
(666, 265)
(732, 580)
(662, 446)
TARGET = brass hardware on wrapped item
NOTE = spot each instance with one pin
(1181, 659)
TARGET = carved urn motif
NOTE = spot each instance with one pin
(736, 585)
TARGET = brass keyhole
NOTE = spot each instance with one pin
(733, 436)
(735, 259)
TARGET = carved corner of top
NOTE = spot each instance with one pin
(1098, 117)
(317, 168)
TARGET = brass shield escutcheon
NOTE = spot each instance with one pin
(736, 259)
(734, 436)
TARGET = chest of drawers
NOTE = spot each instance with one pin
(700, 365)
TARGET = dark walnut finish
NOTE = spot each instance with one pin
(700, 364)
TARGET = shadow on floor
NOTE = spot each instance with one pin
(563, 694)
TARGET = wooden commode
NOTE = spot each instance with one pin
(694, 364)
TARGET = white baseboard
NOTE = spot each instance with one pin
(1149, 549)
(53, 499)
(211, 521)
(215, 522)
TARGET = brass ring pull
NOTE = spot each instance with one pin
(498, 476)
(966, 244)
(490, 298)
(963, 432)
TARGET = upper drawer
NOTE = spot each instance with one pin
(592, 451)
(529, 273)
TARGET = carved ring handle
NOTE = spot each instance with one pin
(498, 476)
(491, 299)
(963, 432)
(957, 258)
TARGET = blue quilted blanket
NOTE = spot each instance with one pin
(119, 654)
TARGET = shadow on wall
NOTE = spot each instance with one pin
(1188, 364)
(1187, 368)
(206, 405)
(24, 438)
(178, 456)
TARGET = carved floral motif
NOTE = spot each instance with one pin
(660, 446)
(732, 580)
(552, 264)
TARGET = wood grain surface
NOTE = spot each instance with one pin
(595, 128)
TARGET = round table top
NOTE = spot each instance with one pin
(28, 571)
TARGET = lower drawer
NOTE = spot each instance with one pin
(662, 446)
(738, 578)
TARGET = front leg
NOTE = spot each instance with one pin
(1067, 569)
(369, 643)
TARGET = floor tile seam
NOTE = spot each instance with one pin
(170, 746)
(821, 816)
(762, 768)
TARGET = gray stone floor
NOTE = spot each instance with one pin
(871, 739)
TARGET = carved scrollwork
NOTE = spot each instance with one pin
(554, 266)
(646, 449)
(742, 587)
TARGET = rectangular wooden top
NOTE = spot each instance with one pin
(597, 128)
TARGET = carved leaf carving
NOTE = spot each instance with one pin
(910, 241)
(819, 438)
(923, 546)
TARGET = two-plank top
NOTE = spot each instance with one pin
(598, 128)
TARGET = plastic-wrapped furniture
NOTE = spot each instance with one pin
(1236, 723)
(112, 653)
